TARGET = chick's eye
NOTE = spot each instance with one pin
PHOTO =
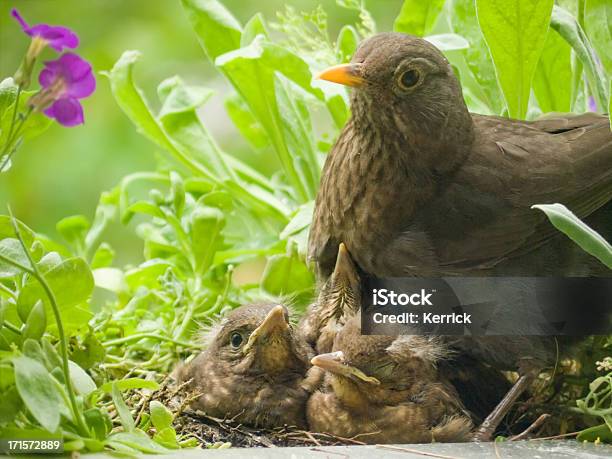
(236, 340)
(409, 78)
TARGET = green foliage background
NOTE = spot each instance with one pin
(210, 165)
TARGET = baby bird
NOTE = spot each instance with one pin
(254, 369)
(383, 389)
(339, 299)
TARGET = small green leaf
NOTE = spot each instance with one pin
(103, 256)
(601, 432)
(98, 421)
(111, 279)
(51, 354)
(286, 275)
(161, 417)
(578, 231)
(217, 30)
(122, 409)
(36, 324)
(138, 440)
(10, 405)
(81, 381)
(74, 229)
(207, 224)
(418, 17)
(515, 31)
(255, 26)
(71, 282)
(38, 392)
(347, 42)
(13, 260)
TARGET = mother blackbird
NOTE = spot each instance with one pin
(416, 185)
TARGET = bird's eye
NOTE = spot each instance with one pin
(236, 340)
(409, 78)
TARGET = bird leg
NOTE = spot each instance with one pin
(488, 426)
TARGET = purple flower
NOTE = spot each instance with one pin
(57, 37)
(64, 81)
(592, 104)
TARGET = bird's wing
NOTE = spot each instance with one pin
(514, 165)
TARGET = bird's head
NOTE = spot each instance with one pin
(400, 79)
(258, 339)
(382, 370)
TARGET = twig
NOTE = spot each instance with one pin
(556, 437)
(537, 423)
(415, 451)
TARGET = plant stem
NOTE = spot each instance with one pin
(13, 137)
(83, 430)
(11, 327)
(139, 336)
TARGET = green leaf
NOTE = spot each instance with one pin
(89, 353)
(552, 83)
(36, 324)
(98, 421)
(181, 123)
(579, 232)
(13, 260)
(255, 26)
(38, 392)
(568, 27)
(207, 224)
(286, 275)
(597, 433)
(598, 25)
(347, 42)
(418, 17)
(161, 417)
(105, 215)
(111, 279)
(74, 229)
(103, 256)
(251, 71)
(51, 354)
(147, 274)
(122, 409)
(246, 123)
(462, 16)
(217, 30)
(515, 31)
(81, 381)
(10, 405)
(138, 440)
(128, 384)
(167, 437)
(134, 105)
(36, 122)
(71, 282)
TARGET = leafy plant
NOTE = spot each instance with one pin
(85, 343)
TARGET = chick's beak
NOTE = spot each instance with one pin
(334, 363)
(346, 74)
(275, 322)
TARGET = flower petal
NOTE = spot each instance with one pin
(24, 25)
(68, 112)
(83, 87)
(57, 37)
(47, 77)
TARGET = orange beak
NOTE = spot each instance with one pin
(346, 74)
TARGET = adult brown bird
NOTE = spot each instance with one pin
(381, 389)
(416, 185)
(254, 369)
(338, 300)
